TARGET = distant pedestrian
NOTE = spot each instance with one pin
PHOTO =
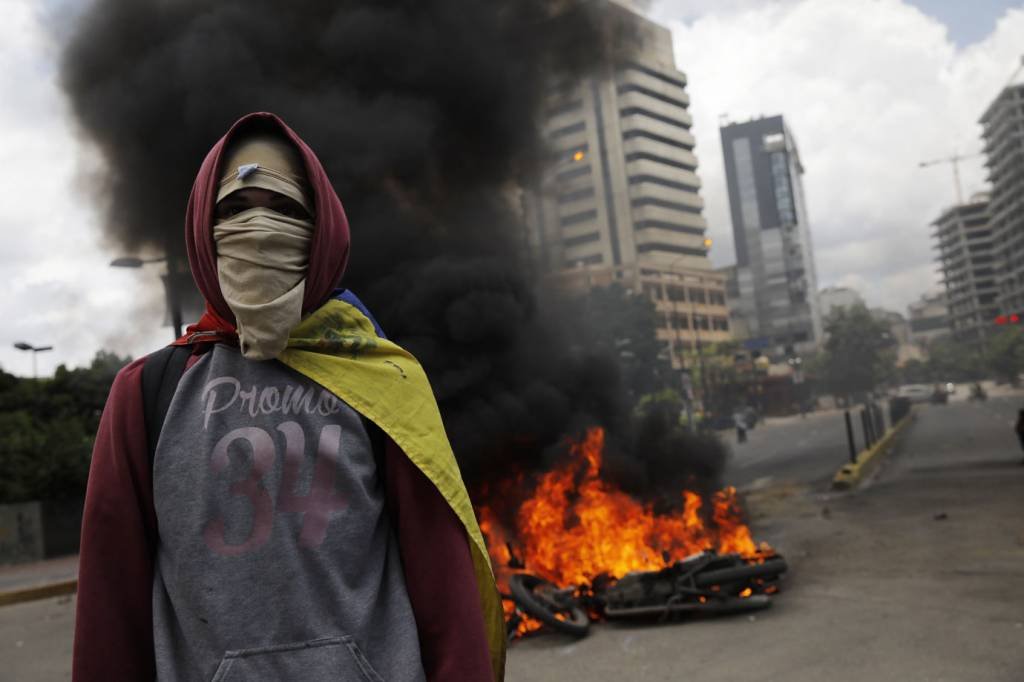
(1019, 428)
(741, 428)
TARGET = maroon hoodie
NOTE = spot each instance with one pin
(114, 637)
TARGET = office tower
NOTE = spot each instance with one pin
(774, 255)
(620, 202)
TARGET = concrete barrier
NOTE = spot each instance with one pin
(21, 532)
(32, 531)
(854, 473)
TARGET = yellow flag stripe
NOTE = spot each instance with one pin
(338, 348)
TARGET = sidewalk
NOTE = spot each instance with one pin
(38, 579)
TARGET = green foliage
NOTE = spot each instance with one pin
(668, 399)
(860, 353)
(47, 428)
(1004, 354)
(613, 321)
(949, 359)
(915, 371)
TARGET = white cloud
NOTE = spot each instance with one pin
(869, 88)
(58, 288)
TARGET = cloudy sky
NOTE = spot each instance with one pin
(869, 88)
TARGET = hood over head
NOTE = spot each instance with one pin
(329, 249)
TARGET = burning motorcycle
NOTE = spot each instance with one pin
(704, 584)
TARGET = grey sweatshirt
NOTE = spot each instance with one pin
(276, 558)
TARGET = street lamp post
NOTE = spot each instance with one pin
(170, 291)
(21, 345)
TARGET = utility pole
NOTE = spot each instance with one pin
(955, 162)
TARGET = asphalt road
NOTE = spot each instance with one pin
(807, 450)
(919, 578)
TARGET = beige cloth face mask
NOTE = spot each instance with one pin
(262, 255)
(262, 259)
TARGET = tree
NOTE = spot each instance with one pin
(1004, 354)
(915, 371)
(616, 322)
(47, 429)
(860, 352)
(952, 360)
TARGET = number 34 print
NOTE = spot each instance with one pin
(316, 506)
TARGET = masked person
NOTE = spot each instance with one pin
(302, 517)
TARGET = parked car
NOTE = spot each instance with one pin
(916, 393)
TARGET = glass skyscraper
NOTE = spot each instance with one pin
(777, 281)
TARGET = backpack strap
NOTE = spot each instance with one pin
(160, 375)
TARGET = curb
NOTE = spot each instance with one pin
(55, 589)
(852, 474)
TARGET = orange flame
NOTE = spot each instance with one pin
(577, 526)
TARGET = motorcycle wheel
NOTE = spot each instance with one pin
(540, 599)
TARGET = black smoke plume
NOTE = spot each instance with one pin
(425, 114)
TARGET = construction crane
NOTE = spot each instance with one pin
(955, 162)
(957, 158)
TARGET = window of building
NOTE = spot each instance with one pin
(576, 195)
(582, 239)
(581, 217)
(577, 127)
(666, 225)
(661, 203)
(655, 180)
(653, 94)
(671, 248)
(701, 322)
(671, 80)
(573, 173)
(743, 160)
(646, 156)
(630, 134)
(720, 324)
(698, 296)
(783, 195)
(596, 259)
(676, 293)
(640, 111)
(565, 107)
(774, 141)
(716, 297)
